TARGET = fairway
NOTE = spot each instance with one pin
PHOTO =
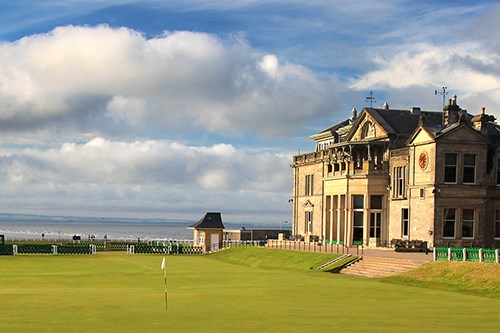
(115, 292)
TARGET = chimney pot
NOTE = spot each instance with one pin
(483, 110)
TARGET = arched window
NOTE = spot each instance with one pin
(367, 131)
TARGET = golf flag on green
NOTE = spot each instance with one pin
(164, 269)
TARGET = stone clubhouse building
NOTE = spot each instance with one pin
(388, 174)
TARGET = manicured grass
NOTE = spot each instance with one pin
(261, 257)
(466, 277)
(115, 292)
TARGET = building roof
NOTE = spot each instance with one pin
(404, 122)
(400, 125)
(211, 220)
(333, 129)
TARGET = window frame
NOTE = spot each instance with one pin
(309, 188)
(445, 211)
(496, 233)
(358, 216)
(201, 237)
(466, 169)
(473, 222)
(446, 168)
(405, 221)
(399, 190)
(309, 221)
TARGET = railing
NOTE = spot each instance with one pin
(331, 247)
(15, 249)
(466, 254)
(242, 243)
(171, 248)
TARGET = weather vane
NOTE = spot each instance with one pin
(370, 99)
(443, 93)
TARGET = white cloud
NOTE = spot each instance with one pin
(470, 70)
(159, 177)
(100, 80)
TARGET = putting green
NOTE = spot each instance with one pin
(115, 292)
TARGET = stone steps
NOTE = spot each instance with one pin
(372, 267)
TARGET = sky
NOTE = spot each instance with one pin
(170, 109)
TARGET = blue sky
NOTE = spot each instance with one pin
(174, 108)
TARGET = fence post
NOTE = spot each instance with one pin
(480, 255)
(434, 254)
(497, 256)
(54, 249)
(449, 254)
(464, 254)
(14, 250)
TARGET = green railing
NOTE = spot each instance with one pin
(457, 254)
(15, 249)
(329, 242)
(74, 249)
(472, 254)
(440, 253)
(6, 249)
(34, 248)
(490, 255)
(467, 254)
(173, 248)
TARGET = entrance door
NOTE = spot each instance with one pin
(214, 242)
(375, 226)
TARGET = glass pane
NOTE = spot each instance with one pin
(467, 229)
(469, 160)
(358, 219)
(357, 234)
(450, 174)
(405, 228)
(405, 213)
(469, 175)
(376, 201)
(450, 159)
(449, 222)
(358, 202)
(449, 214)
(468, 214)
(449, 229)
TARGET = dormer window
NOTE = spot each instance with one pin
(368, 131)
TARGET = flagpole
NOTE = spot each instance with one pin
(164, 267)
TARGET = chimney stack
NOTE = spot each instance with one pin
(480, 121)
(354, 113)
(451, 112)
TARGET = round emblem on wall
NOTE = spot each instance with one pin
(423, 160)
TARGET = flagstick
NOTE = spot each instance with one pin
(165, 282)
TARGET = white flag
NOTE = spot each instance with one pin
(163, 263)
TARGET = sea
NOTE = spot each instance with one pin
(58, 228)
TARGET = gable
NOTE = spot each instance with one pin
(420, 136)
(461, 133)
(366, 128)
